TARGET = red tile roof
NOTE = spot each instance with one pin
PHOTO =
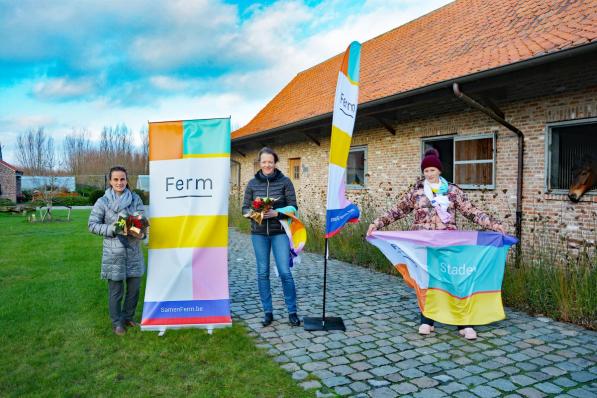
(461, 38)
(10, 166)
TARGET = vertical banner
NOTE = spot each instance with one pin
(189, 173)
(339, 209)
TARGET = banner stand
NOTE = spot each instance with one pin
(187, 272)
(323, 323)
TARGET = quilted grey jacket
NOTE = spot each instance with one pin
(118, 261)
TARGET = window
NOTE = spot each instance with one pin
(356, 167)
(234, 174)
(567, 144)
(445, 147)
(468, 161)
(294, 169)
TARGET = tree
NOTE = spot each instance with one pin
(115, 145)
(144, 132)
(35, 152)
(77, 151)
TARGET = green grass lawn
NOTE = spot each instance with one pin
(56, 338)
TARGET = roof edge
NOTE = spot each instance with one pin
(10, 166)
(529, 62)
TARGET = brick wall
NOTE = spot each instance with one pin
(8, 183)
(394, 160)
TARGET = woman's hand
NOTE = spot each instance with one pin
(137, 235)
(271, 213)
(372, 228)
(500, 229)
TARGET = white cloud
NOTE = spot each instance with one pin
(24, 122)
(273, 35)
(168, 83)
(62, 88)
(177, 59)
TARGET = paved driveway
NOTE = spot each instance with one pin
(381, 355)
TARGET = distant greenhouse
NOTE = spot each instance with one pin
(30, 183)
(143, 183)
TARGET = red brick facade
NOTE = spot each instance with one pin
(10, 187)
(393, 163)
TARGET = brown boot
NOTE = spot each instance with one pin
(131, 324)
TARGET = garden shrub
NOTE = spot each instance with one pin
(6, 202)
(95, 195)
(143, 195)
(70, 201)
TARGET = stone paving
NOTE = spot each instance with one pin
(382, 355)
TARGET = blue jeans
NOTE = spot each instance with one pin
(279, 245)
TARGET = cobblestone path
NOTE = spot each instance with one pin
(382, 355)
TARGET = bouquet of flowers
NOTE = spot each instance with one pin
(259, 207)
(134, 225)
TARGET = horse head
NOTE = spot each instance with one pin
(584, 177)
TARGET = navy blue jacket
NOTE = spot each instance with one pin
(276, 186)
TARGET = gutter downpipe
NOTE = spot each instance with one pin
(468, 100)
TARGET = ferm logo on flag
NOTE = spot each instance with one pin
(457, 275)
(339, 209)
(189, 172)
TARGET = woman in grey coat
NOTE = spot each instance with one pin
(122, 257)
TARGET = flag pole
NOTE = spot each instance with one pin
(325, 274)
(324, 323)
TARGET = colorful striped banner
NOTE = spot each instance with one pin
(189, 173)
(339, 210)
(457, 275)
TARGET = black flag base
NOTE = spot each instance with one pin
(318, 323)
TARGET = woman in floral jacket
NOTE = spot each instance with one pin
(435, 202)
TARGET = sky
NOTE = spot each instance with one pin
(69, 65)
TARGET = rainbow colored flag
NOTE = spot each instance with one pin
(339, 210)
(296, 232)
(189, 173)
(457, 275)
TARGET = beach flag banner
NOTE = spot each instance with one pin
(339, 210)
(457, 275)
(189, 173)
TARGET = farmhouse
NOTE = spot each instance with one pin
(505, 90)
(10, 181)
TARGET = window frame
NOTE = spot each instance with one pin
(291, 165)
(548, 150)
(458, 137)
(357, 148)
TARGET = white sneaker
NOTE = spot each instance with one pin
(425, 329)
(468, 333)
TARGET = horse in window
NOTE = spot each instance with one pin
(584, 177)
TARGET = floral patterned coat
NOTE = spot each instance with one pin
(425, 215)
